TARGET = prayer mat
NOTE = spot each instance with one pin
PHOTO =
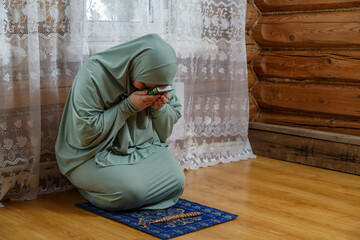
(209, 217)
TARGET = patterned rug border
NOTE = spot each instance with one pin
(209, 217)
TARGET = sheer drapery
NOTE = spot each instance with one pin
(209, 38)
(44, 42)
(36, 71)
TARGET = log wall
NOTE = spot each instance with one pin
(308, 69)
(252, 51)
(307, 76)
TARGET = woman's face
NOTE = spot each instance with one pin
(142, 86)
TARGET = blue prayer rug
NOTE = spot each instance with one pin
(209, 217)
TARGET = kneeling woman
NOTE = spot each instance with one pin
(111, 141)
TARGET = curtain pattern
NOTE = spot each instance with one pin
(37, 68)
(212, 56)
(44, 42)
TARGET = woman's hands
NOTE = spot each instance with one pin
(141, 100)
(161, 101)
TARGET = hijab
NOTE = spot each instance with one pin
(147, 59)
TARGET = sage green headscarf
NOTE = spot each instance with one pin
(100, 122)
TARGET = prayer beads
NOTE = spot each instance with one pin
(175, 217)
(170, 218)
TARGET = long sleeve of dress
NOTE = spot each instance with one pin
(83, 133)
(101, 126)
(165, 117)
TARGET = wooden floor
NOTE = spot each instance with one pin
(274, 200)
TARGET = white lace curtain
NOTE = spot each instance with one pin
(44, 42)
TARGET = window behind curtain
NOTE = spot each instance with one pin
(110, 22)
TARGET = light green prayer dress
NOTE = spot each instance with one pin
(113, 153)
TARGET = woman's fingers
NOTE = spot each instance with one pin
(163, 99)
(141, 100)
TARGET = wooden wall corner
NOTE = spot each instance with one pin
(332, 151)
(252, 15)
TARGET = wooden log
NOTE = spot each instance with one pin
(301, 5)
(300, 148)
(210, 88)
(252, 48)
(320, 123)
(55, 96)
(301, 132)
(251, 77)
(323, 65)
(17, 95)
(252, 15)
(325, 99)
(312, 30)
(252, 108)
